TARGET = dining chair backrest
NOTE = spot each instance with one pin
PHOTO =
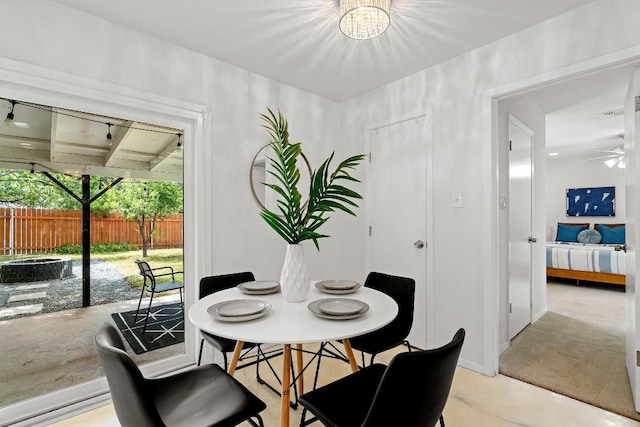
(402, 290)
(425, 376)
(129, 393)
(211, 284)
(146, 272)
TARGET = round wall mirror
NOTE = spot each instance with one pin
(265, 196)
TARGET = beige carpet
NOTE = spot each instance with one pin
(573, 358)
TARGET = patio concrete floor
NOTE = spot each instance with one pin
(48, 352)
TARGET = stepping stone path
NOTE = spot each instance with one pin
(24, 299)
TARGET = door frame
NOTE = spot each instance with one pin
(49, 87)
(492, 169)
(428, 123)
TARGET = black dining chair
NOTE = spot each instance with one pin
(154, 286)
(204, 396)
(402, 290)
(220, 282)
(208, 286)
(410, 392)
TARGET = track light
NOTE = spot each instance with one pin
(109, 137)
(179, 146)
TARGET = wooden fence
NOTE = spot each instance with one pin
(25, 231)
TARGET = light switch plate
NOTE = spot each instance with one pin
(456, 200)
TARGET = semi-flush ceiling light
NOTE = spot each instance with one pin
(615, 161)
(364, 19)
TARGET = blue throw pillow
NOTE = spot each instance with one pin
(612, 235)
(569, 233)
(589, 236)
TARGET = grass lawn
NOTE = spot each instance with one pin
(124, 261)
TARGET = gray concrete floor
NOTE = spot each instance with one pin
(52, 351)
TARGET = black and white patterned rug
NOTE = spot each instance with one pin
(165, 327)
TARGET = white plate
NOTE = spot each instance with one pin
(336, 291)
(260, 287)
(313, 307)
(338, 285)
(239, 307)
(214, 313)
(340, 306)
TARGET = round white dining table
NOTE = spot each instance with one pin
(293, 324)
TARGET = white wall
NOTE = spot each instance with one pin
(227, 234)
(76, 43)
(567, 173)
(51, 36)
(463, 160)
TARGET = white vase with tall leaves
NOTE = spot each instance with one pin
(293, 220)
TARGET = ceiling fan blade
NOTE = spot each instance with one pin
(611, 156)
(618, 152)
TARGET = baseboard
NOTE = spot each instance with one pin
(539, 314)
(66, 412)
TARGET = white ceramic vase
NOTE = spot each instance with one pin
(294, 278)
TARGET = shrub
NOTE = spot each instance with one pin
(98, 248)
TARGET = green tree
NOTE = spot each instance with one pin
(146, 203)
(35, 190)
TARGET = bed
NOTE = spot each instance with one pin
(593, 262)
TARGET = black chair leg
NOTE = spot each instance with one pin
(294, 404)
(441, 421)
(200, 354)
(253, 423)
(139, 303)
(146, 319)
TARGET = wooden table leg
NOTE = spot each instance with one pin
(235, 357)
(299, 366)
(350, 355)
(286, 384)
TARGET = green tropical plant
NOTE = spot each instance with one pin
(294, 221)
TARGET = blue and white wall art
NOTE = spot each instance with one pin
(597, 201)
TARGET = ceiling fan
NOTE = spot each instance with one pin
(614, 157)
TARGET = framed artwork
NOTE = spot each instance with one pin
(596, 201)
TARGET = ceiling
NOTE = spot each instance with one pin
(297, 42)
(576, 128)
(76, 143)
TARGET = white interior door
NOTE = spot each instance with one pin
(520, 237)
(632, 210)
(398, 187)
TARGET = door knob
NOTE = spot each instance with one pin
(532, 240)
(418, 244)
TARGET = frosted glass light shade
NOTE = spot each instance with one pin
(611, 162)
(364, 19)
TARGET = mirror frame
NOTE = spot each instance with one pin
(253, 189)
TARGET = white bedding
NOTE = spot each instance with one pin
(586, 257)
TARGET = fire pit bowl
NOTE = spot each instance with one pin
(35, 269)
